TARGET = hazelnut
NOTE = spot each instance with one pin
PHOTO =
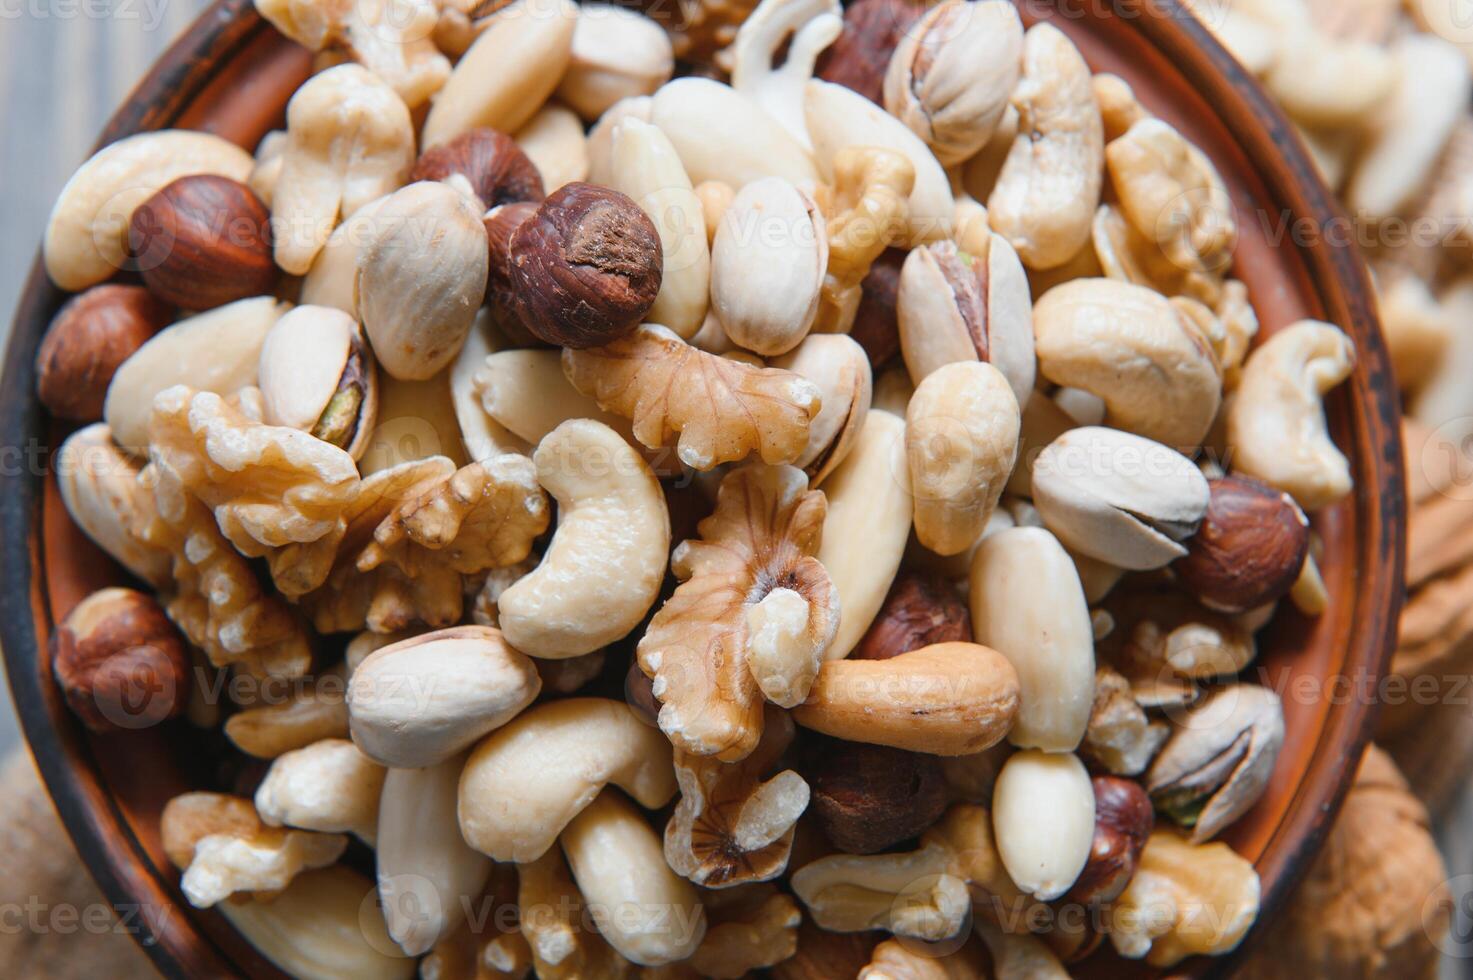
(203, 241)
(490, 164)
(919, 610)
(1123, 822)
(91, 335)
(870, 797)
(501, 222)
(585, 266)
(876, 327)
(872, 30)
(120, 662)
(1249, 548)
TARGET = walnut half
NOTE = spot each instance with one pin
(753, 614)
(731, 826)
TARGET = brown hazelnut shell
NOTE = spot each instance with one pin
(919, 610)
(203, 241)
(496, 168)
(869, 797)
(1124, 819)
(1249, 549)
(585, 267)
(872, 30)
(90, 337)
(120, 662)
(876, 324)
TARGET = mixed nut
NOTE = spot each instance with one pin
(918, 342)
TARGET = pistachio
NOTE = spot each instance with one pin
(961, 439)
(421, 278)
(952, 74)
(956, 306)
(316, 374)
(1218, 761)
(1119, 498)
(772, 234)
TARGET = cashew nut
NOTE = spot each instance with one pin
(525, 782)
(317, 928)
(1276, 424)
(87, 233)
(391, 38)
(647, 912)
(427, 875)
(1413, 127)
(800, 29)
(1049, 187)
(944, 699)
(603, 568)
(349, 141)
(1144, 355)
(329, 786)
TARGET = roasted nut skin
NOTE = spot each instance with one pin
(1124, 818)
(119, 661)
(90, 336)
(493, 165)
(203, 241)
(501, 223)
(585, 267)
(872, 29)
(919, 611)
(876, 326)
(1250, 547)
(870, 797)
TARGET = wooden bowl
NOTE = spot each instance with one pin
(232, 74)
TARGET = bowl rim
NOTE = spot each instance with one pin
(97, 827)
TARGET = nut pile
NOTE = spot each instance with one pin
(694, 519)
